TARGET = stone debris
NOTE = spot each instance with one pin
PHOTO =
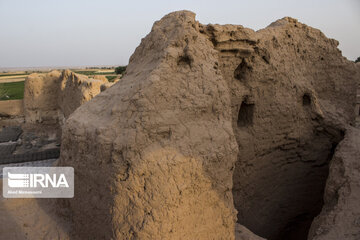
(17, 146)
(10, 134)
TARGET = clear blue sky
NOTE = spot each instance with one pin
(86, 32)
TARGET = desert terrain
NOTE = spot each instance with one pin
(210, 132)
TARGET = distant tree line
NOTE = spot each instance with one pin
(98, 67)
(357, 60)
(120, 70)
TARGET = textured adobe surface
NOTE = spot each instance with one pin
(205, 114)
(50, 98)
(292, 94)
(340, 216)
(157, 139)
(40, 97)
(11, 108)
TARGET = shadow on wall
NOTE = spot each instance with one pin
(162, 177)
(279, 185)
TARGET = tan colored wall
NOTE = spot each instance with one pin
(51, 98)
(12, 108)
(199, 103)
(40, 97)
(74, 90)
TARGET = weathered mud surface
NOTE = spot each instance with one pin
(211, 124)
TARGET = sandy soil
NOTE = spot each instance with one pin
(9, 79)
(106, 70)
(30, 219)
(14, 76)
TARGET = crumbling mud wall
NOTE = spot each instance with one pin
(76, 89)
(149, 152)
(357, 109)
(340, 216)
(292, 95)
(50, 98)
(11, 108)
(40, 101)
(211, 121)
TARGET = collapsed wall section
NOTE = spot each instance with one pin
(292, 94)
(75, 90)
(50, 98)
(40, 101)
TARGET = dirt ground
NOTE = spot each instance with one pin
(30, 219)
(9, 79)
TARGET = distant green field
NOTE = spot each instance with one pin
(93, 73)
(11, 74)
(12, 90)
(19, 74)
(111, 78)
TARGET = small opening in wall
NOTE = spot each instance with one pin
(245, 117)
(184, 60)
(241, 70)
(306, 100)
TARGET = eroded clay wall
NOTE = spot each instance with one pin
(292, 95)
(51, 98)
(160, 140)
(199, 103)
(11, 108)
(40, 102)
